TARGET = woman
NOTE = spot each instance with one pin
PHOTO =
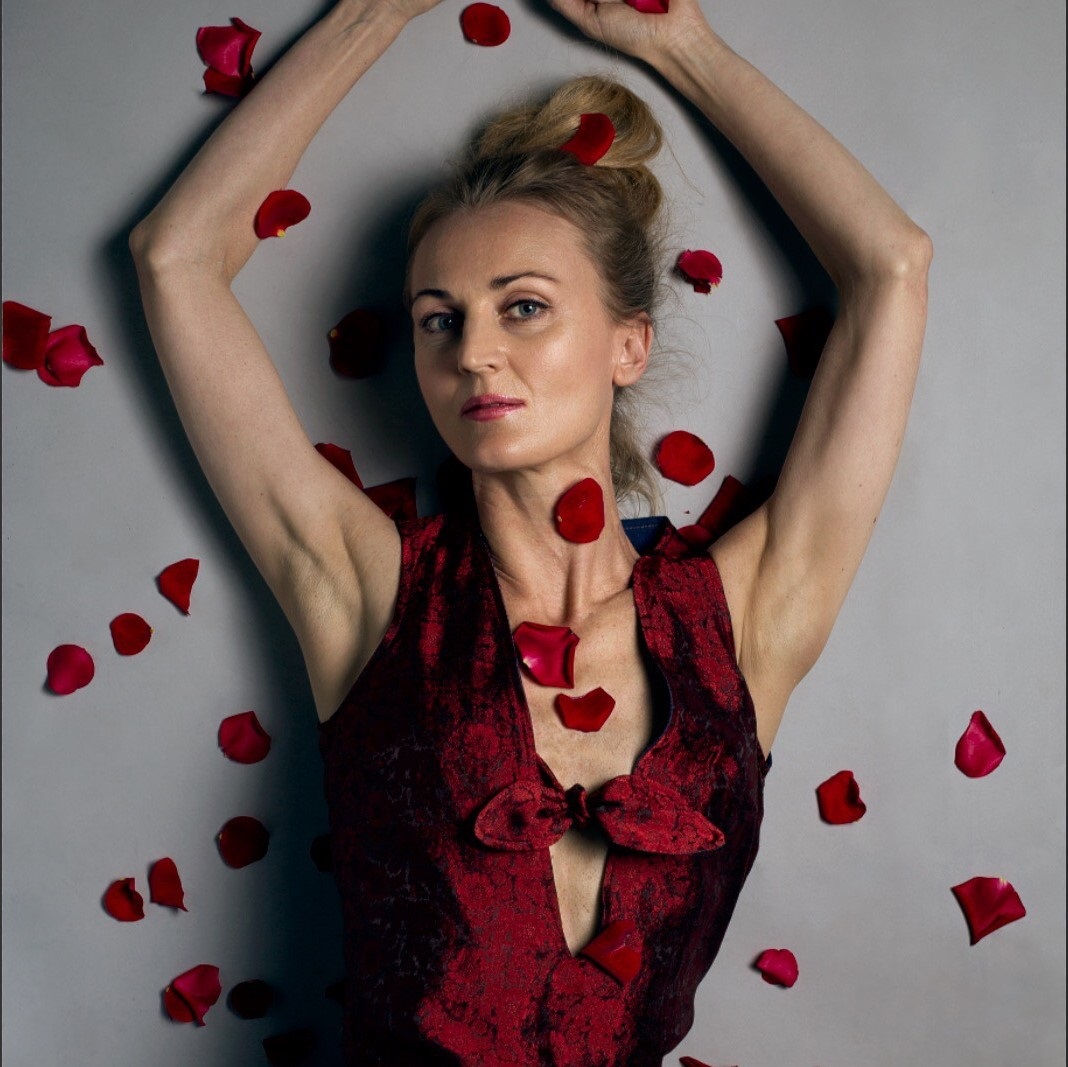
(520, 887)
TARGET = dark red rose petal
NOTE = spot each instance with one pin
(485, 24)
(547, 652)
(67, 356)
(587, 713)
(777, 966)
(243, 739)
(593, 138)
(988, 905)
(251, 999)
(282, 208)
(176, 582)
(396, 499)
(649, 7)
(804, 335)
(358, 344)
(130, 633)
(684, 458)
(234, 85)
(243, 840)
(321, 854)
(69, 667)
(732, 503)
(164, 884)
(979, 750)
(701, 269)
(689, 1061)
(228, 49)
(696, 536)
(123, 902)
(192, 993)
(342, 459)
(25, 334)
(839, 799)
(289, 1049)
(579, 512)
(611, 950)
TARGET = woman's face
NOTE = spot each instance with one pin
(515, 352)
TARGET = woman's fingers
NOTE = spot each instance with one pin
(640, 34)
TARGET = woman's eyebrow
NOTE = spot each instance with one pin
(497, 283)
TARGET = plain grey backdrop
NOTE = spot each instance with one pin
(957, 107)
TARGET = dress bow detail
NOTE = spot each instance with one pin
(632, 812)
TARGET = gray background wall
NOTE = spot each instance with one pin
(958, 108)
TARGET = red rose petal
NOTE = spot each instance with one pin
(593, 138)
(839, 799)
(979, 750)
(243, 840)
(130, 633)
(342, 459)
(227, 84)
(696, 536)
(587, 713)
(192, 993)
(25, 333)
(690, 1061)
(485, 24)
(988, 904)
(289, 1049)
(281, 209)
(547, 652)
(732, 503)
(251, 999)
(358, 344)
(701, 269)
(396, 499)
(684, 458)
(123, 902)
(804, 335)
(778, 966)
(176, 582)
(243, 739)
(164, 884)
(579, 512)
(227, 53)
(610, 950)
(69, 667)
(649, 7)
(67, 356)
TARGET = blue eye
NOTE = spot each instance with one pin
(527, 309)
(440, 322)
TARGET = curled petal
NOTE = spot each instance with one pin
(804, 335)
(614, 950)
(321, 853)
(587, 713)
(649, 7)
(69, 667)
(251, 999)
(227, 84)
(67, 356)
(25, 334)
(281, 209)
(342, 459)
(227, 53)
(123, 902)
(130, 633)
(684, 458)
(730, 505)
(192, 993)
(777, 966)
(547, 652)
(701, 269)
(243, 739)
(839, 799)
(243, 840)
(396, 499)
(289, 1049)
(485, 24)
(979, 750)
(164, 884)
(176, 582)
(579, 513)
(988, 905)
(695, 535)
(592, 139)
(358, 344)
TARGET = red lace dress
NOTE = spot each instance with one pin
(441, 814)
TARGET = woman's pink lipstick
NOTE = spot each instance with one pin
(489, 406)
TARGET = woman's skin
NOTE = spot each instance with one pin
(505, 301)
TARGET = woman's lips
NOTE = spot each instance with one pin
(489, 406)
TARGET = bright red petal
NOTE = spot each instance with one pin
(243, 840)
(701, 269)
(804, 335)
(25, 333)
(123, 902)
(611, 950)
(485, 24)
(839, 799)
(649, 7)
(251, 999)
(69, 667)
(547, 652)
(164, 884)
(396, 499)
(176, 582)
(228, 49)
(67, 356)
(685, 458)
(587, 713)
(289, 1049)
(579, 512)
(593, 138)
(282, 208)
(358, 344)
(342, 459)
(192, 993)
(729, 506)
(130, 633)
(979, 750)
(227, 84)
(243, 739)
(778, 966)
(988, 905)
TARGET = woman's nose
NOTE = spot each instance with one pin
(481, 346)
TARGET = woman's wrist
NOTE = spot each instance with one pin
(680, 61)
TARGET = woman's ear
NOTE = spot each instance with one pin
(634, 354)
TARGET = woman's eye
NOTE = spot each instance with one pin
(440, 322)
(527, 309)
